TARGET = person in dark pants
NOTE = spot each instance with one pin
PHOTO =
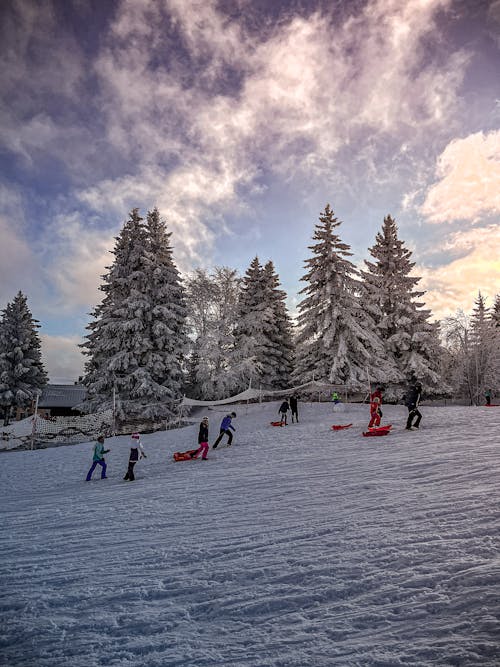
(98, 459)
(284, 407)
(136, 454)
(294, 408)
(202, 440)
(224, 428)
(487, 395)
(412, 400)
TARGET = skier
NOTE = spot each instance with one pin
(294, 407)
(202, 440)
(412, 400)
(136, 454)
(98, 459)
(375, 403)
(487, 395)
(224, 428)
(284, 407)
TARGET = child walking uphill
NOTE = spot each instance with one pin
(98, 459)
(224, 428)
(202, 440)
(136, 454)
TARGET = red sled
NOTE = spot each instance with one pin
(378, 430)
(340, 427)
(277, 424)
(185, 456)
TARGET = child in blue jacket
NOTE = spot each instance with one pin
(224, 428)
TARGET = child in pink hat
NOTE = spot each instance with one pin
(136, 454)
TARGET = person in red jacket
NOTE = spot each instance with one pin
(375, 403)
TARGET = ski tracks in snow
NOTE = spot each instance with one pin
(300, 546)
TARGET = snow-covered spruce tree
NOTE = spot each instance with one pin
(388, 294)
(495, 312)
(137, 337)
(22, 374)
(254, 315)
(212, 303)
(336, 341)
(279, 362)
(167, 319)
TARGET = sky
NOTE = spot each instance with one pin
(240, 120)
(294, 547)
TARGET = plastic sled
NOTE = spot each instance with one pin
(378, 430)
(340, 427)
(277, 424)
(185, 456)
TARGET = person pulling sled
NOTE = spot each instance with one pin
(202, 440)
(284, 407)
(375, 410)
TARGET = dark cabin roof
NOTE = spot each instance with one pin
(62, 395)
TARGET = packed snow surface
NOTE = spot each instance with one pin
(297, 546)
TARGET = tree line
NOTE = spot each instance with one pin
(156, 335)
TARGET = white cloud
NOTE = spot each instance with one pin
(15, 250)
(62, 358)
(457, 284)
(193, 151)
(76, 255)
(469, 180)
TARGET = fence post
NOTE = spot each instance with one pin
(33, 428)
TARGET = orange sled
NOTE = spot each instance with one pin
(379, 430)
(340, 427)
(185, 456)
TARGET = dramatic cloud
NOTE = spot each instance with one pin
(469, 185)
(223, 113)
(457, 284)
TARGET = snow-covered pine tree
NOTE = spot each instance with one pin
(279, 361)
(495, 312)
(335, 340)
(254, 316)
(165, 359)
(389, 296)
(22, 373)
(137, 339)
(212, 303)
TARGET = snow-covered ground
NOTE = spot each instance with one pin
(296, 547)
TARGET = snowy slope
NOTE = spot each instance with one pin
(296, 547)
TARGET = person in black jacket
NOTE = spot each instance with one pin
(294, 407)
(284, 407)
(412, 400)
(202, 440)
